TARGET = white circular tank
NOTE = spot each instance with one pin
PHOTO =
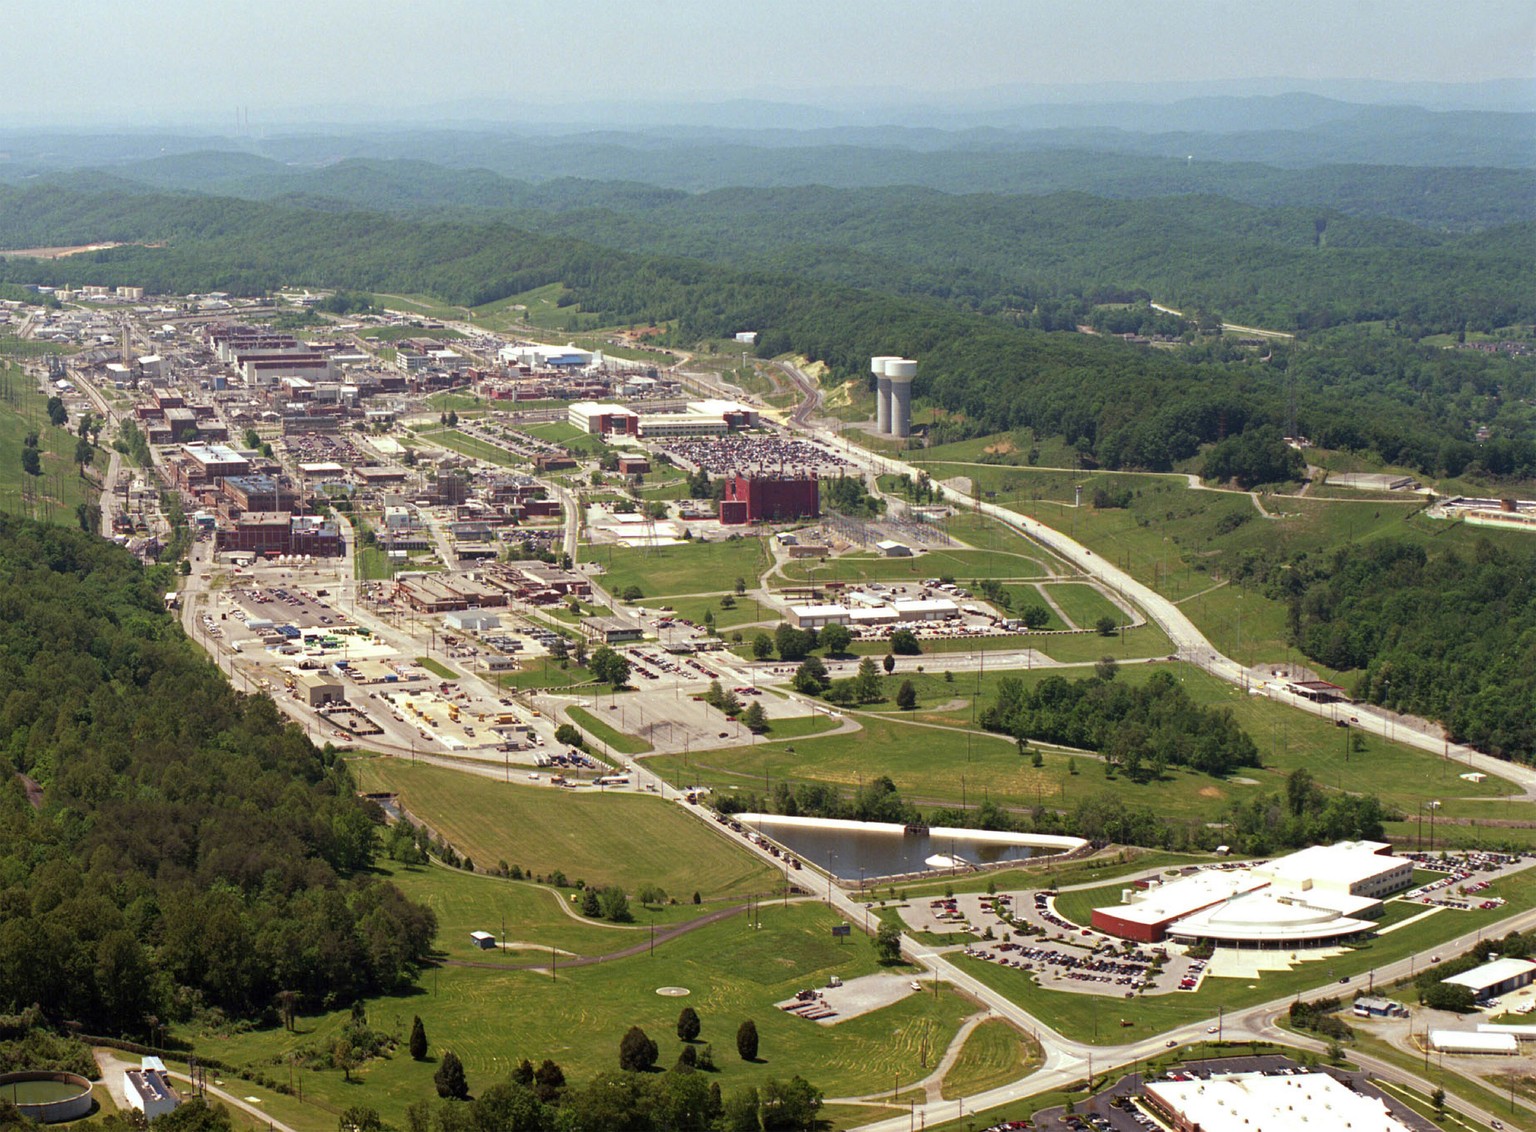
(877, 365)
(901, 369)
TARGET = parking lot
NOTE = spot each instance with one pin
(1066, 957)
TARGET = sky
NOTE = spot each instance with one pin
(158, 61)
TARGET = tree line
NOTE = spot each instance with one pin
(168, 847)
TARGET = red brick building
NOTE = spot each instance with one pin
(758, 499)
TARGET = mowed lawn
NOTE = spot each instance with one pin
(602, 838)
(964, 565)
(60, 484)
(1084, 605)
(689, 568)
(732, 971)
(945, 765)
(994, 1054)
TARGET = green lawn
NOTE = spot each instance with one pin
(467, 445)
(689, 568)
(492, 1018)
(437, 668)
(602, 838)
(993, 1055)
(945, 766)
(615, 739)
(53, 495)
(542, 673)
(372, 564)
(1084, 605)
(964, 565)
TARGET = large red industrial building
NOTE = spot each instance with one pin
(751, 499)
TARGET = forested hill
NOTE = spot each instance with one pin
(1441, 198)
(192, 850)
(1045, 259)
(1124, 406)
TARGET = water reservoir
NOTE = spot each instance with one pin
(850, 850)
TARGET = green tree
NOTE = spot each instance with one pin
(755, 719)
(84, 454)
(835, 639)
(31, 462)
(1106, 668)
(1105, 626)
(727, 601)
(360, 1119)
(569, 735)
(888, 943)
(904, 643)
(609, 666)
(688, 1025)
(418, 1042)
(57, 413)
(449, 1078)
(637, 1052)
(866, 685)
(1035, 617)
(888, 663)
(615, 905)
(906, 696)
(762, 646)
(632, 593)
(810, 678)
(746, 1040)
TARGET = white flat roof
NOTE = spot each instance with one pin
(1470, 1041)
(1254, 1101)
(1491, 974)
(818, 611)
(1185, 896)
(930, 605)
(1348, 862)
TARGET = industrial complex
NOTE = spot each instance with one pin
(1316, 896)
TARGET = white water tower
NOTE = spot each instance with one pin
(900, 374)
(882, 391)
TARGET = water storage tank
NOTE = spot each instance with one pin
(899, 373)
(882, 391)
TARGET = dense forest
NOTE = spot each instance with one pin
(168, 848)
(1121, 405)
(1143, 730)
(1446, 634)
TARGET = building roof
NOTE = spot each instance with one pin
(1469, 1041)
(1491, 974)
(1271, 915)
(928, 605)
(1254, 1101)
(1345, 863)
(1185, 896)
(803, 611)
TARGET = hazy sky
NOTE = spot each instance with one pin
(121, 60)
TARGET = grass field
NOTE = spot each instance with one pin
(467, 445)
(1183, 541)
(615, 739)
(610, 838)
(53, 495)
(963, 565)
(492, 1018)
(372, 564)
(994, 1054)
(945, 766)
(690, 568)
(1084, 605)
